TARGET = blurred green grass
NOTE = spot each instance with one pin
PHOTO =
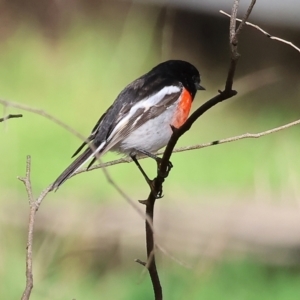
(72, 278)
(76, 78)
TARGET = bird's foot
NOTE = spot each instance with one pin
(166, 173)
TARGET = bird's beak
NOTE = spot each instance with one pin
(199, 87)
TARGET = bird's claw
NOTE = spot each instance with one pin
(166, 173)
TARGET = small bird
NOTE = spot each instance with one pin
(141, 119)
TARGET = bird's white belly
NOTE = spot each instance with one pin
(151, 136)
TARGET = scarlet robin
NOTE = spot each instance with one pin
(140, 120)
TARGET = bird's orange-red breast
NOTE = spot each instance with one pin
(183, 109)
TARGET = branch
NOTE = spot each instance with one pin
(126, 197)
(177, 133)
(34, 206)
(44, 114)
(233, 40)
(238, 137)
(33, 209)
(265, 32)
(194, 147)
(11, 117)
(246, 17)
(223, 95)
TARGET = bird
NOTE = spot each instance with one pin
(141, 119)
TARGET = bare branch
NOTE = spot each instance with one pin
(11, 117)
(198, 146)
(34, 206)
(239, 137)
(168, 254)
(140, 262)
(127, 198)
(232, 24)
(33, 209)
(246, 17)
(265, 32)
(42, 196)
(46, 115)
(233, 41)
(177, 133)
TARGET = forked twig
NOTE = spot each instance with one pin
(272, 37)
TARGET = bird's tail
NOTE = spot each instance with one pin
(68, 172)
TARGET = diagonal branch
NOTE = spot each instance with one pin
(42, 113)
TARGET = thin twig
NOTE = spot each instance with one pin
(34, 206)
(239, 137)
(232, 23)
(198, 146)
(11, 117)
(265, 32)
(233, 42)
(41, 112)
(33, 209)
(140, 262)
(245, 18)
(127, 198)
(168, 254)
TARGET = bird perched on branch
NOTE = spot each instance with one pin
(141, 119)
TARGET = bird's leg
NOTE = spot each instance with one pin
(158, 161)
(148, 180)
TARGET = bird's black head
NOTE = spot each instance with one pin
(182, 71)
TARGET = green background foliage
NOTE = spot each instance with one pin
(75, 78)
